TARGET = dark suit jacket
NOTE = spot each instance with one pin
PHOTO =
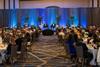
(19, 43)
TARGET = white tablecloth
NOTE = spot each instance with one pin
(94, 52)
(98, 56)
(0, 39)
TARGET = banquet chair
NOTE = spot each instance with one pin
(61, 40)
(80, 57)
(29, 44)
(13, 56)
(23, 51)
(33, 37)
(67, 49)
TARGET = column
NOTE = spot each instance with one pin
(11, 4)
(16, 4)
(7, 4)
(1, 4)
(93, 3)
(98, 3)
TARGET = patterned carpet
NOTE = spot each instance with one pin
(46, 52)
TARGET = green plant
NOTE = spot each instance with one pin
(58, 19)
(72, 19)
(33, 27)
(26, 19)
(40, 19)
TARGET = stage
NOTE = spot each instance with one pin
(62, 17)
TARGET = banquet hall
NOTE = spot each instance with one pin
(49, 33)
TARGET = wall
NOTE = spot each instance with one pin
(62, 4)
(1, 4)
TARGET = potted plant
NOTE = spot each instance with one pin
(33, 27)
(72, 19)
(26, 21)
(40, 19)
(58, 19)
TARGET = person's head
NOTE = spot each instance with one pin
(72, 31)
(62, 30)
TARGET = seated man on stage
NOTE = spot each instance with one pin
(53, 26)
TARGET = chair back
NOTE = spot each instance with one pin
(13, 51)
(67, 49)
(79, 51)
(60, 38)
(23, 47)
